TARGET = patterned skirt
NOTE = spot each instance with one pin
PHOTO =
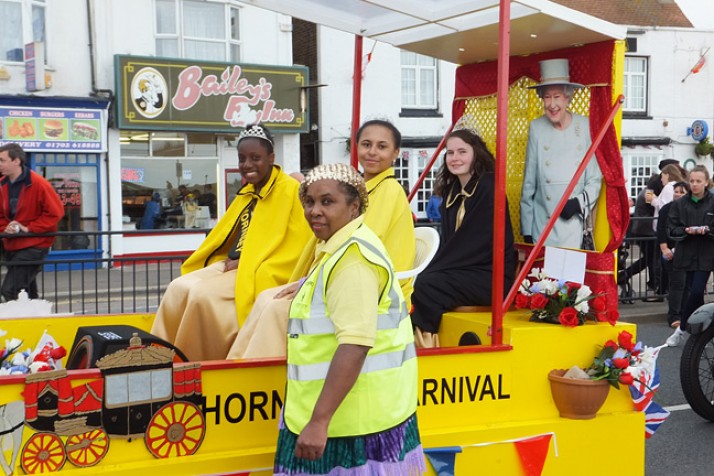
(396, 452)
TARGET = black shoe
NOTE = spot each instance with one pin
(653, 299)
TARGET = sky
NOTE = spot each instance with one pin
(699, 12)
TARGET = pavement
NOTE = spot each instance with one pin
(640, 312)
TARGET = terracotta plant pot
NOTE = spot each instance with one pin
(578, 399)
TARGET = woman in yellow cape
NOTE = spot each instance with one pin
(254, 246)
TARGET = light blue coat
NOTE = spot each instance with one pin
(552, 157)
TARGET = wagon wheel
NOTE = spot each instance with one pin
(43, 453)
(177, 429)
(87, 449)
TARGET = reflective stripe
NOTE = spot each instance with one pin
(324, 325)
(372, 363)
(319, 323)
(314, 325)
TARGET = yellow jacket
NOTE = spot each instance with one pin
(277, 234)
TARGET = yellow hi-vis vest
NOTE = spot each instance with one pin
(385, 393)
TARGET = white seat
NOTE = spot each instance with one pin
(427, 242)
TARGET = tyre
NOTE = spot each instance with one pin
(696, 373)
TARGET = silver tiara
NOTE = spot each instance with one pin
(255, 131)
(467, 122)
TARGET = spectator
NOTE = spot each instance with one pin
(432, 207)
(208, 199)
(666, 245)
(29, 205)
(642, 233)
(691, 227)
(153, 214)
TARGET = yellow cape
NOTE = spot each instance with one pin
(277, 234)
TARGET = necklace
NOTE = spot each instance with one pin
(463, 194)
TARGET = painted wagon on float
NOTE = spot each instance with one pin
(141, 395)
(483, 409)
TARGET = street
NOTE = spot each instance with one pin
(682, 445)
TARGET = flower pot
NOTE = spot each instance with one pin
(578, 399)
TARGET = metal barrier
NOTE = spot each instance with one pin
(642, 274)
(100, 283)
(97, 283)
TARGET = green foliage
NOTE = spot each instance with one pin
(704, 148)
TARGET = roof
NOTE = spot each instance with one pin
(459, 31)
(633, 12)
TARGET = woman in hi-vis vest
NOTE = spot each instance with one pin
(350, 344)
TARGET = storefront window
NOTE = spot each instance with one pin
(176, 170)
(74, 177)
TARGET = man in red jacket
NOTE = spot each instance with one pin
(28, 204)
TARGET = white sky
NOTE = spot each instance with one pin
(699, 12)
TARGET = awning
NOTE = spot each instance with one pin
(459, 31)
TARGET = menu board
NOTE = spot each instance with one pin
(45, 129)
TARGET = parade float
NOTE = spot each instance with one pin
(484, 408)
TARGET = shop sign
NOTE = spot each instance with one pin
(52, 130)
(35, 66)
(184, 95)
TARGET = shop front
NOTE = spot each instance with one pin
(66, 142)
(178, 121)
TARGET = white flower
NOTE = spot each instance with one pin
(523, 288)
(582, 306)
(584, 292)
(13, 344)
(548, 287)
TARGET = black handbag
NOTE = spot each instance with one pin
(588, 242)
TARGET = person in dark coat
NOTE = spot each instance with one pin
(641, 230)
(691, 226)
(152, 214)
(460, 273)
(666, 245)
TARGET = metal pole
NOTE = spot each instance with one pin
(428, 167)
(356, 99)
(566, 195)
(499, 207)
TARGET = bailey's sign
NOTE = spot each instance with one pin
(169, 94)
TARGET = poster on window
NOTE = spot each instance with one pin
(48, 130)
(68, 187)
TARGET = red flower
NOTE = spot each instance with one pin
(598, 304)
(538, 301)
(569, 317)
(626, 378)
(522, 301)
(625, 341)
(621, 363)
(612, 316)
(611, 343)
